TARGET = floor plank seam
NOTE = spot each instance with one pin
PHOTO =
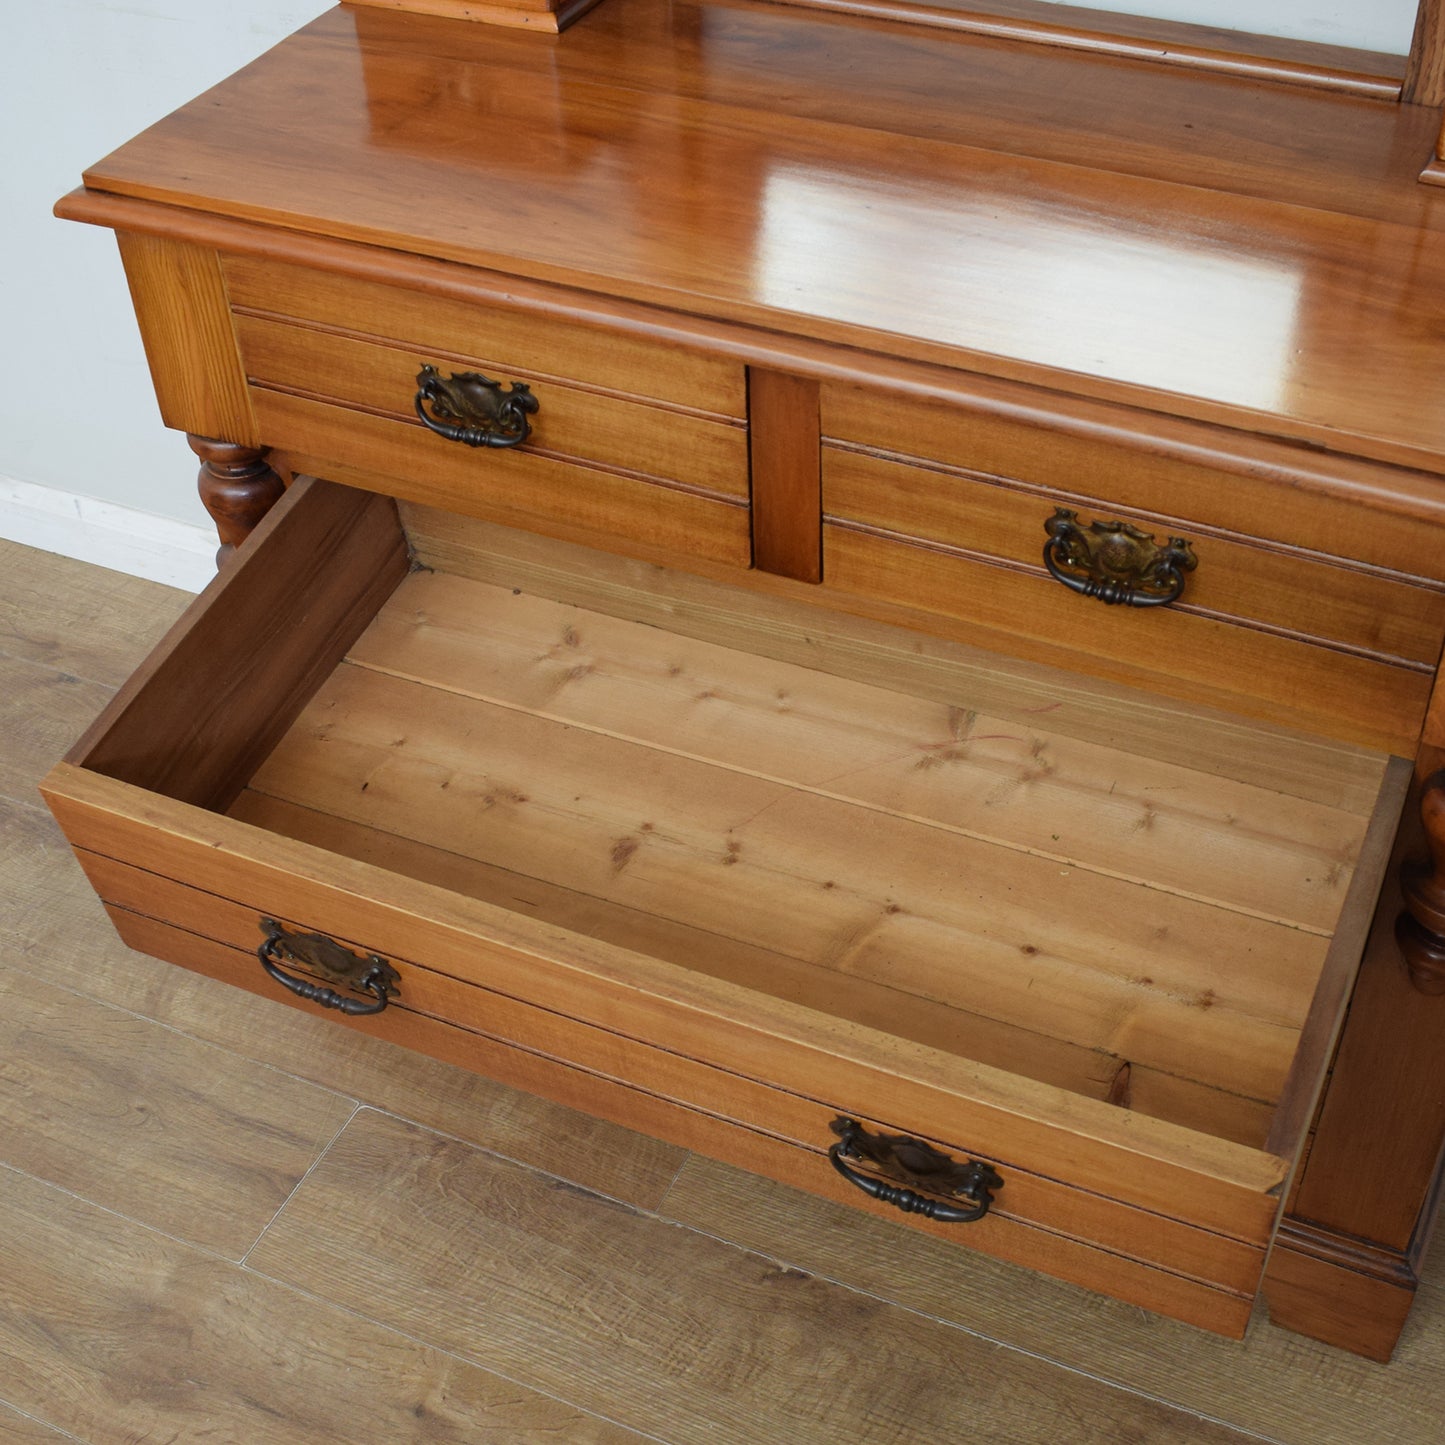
(208, 1250)
(776, 1260)
(310, 1168)
(44, 1424)
(963, 1329)
(473, 1363)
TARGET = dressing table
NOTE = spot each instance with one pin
(857, 587)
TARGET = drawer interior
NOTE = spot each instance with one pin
(982, 884)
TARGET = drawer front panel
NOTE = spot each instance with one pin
(1298, 595)
(537, 492)
(585, 426)
(1027, 1198)
(545, 344)
(531, 1069)
(1222, 1189)
(1182, 653)
(1254, 488)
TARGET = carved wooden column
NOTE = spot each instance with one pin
(237, 488)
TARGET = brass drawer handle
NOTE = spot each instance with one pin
(370, 975)
(470, 408)
(917, 1163)
(1116, 562)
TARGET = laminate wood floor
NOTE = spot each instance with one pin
(224, 1220)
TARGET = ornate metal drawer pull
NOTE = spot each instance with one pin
(371, 975)
(916, 1163)
(1116, 562)
(470, 408)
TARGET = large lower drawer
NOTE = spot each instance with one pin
(732, 901)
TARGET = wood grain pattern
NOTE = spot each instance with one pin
(1017, 782)
(615, 508)
(118, 1333)
(220, 699)
(787, 507)
(606, 430)
(1111, 965)
(1148, 1162)
(791, 170)
(116, 1109)
(777, 624)
(774, 1316)
(1425, 67)
(1189, 656)
(1299, 594)
(509, 325)
(1223, 1113)
(185, 322)
(637, 1081)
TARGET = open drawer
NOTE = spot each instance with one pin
(733, 901)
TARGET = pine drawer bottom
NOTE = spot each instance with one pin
(730, 901)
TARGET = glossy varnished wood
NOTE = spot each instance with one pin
(234, 704)
(801, 172)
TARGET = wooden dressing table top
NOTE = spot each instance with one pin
(1201, 246)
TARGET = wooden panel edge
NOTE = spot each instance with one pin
(226, 681)
(1345, 1293)
(184, 315)
(1327, 1011)
(1161, 42)
(1424, 82)
(1020, 389)
(785, 451)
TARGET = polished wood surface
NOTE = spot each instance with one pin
(786, 475)
(228, 679)
(1182, 289)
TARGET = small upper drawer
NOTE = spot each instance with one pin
(1323, 637)
(630, 445)
(545, 345)
(1250, 487)
(1290, 592)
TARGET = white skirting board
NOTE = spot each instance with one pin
(121, 538)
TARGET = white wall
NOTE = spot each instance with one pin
(77, 77)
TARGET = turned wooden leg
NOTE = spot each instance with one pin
(237, 488)
(1346, 1261)
(1420, 928)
